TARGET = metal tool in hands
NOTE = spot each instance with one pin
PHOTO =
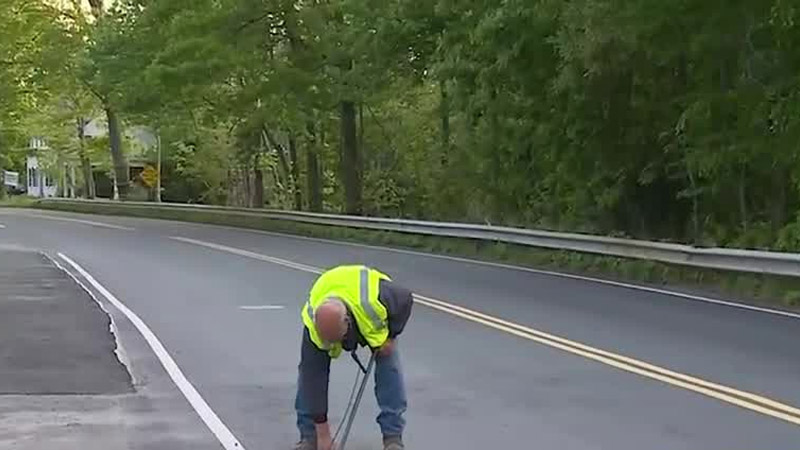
(353, 403)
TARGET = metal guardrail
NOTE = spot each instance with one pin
(773, 263)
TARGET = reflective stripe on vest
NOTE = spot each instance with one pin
(365, 303)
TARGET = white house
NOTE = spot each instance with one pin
(40, 183)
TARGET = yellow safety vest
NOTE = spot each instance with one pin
(357, 286)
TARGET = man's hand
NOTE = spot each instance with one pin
(325, 444)
(324, 439)
(387, 348)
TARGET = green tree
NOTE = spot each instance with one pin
(664, 120)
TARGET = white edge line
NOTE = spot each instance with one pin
(122, 356)
(81, 221)
(249, 254)
(212, 421)
(620, 284)
(2, 226)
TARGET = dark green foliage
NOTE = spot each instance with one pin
(665, 120)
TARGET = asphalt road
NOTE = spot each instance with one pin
(53, 338)
(230, 320)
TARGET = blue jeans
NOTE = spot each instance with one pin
(390, 392)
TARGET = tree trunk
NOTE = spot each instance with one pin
(73, 177)
(89, 190)
(64, 180)
(285, 172)
(295, 184)
(778, 203)
(314, 187)
(361, 126)
(97, 8)
(695, 206)
(444, 111)
(258, 182)
(230, 189)
(247, 199)
(237, 188)
(349, 159)
(743, 198)
(117, 154)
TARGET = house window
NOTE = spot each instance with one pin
(38, 143)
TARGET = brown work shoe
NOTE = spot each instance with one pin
(306, 444)
(393, 443)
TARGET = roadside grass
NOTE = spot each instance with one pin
(17, 201)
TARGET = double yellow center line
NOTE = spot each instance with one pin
(724, 393)
(743, 399)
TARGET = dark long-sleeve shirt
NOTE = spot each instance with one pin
(315, 363)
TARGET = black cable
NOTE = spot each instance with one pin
(354, 355)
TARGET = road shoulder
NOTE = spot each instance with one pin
(62, 383)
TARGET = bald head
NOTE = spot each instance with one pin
(330, 318)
